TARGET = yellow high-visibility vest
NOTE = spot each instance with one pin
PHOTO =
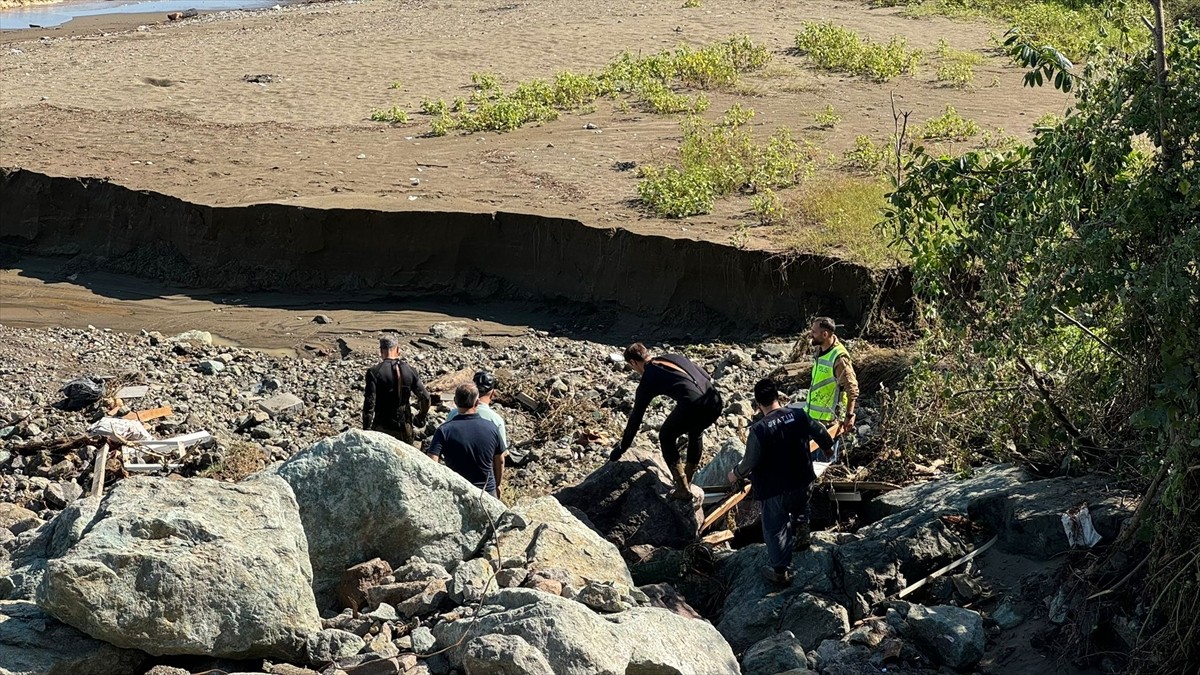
(825, 393)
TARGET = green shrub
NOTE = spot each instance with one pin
(956, 74)
(827, 118)
(833, 47)
(948, 126)
(868, 157)
(675, 193)
(485, 81)
(767, 207)
(394, 115)
(691, 4)
(395, 85)
(717, 159)
(436, 108)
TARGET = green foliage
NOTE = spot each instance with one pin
(827, 118)
(767, 207)
(649, 80)
(437, 108)
(1061, 283)
(1046, 121)
(395, 85)
(1075, 27)
(717, 159)
(948, 126)
(833, 47)
(394, 115)
(691, 4)
(866, 156)
(956, 74)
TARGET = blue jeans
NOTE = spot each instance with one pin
(778, 515)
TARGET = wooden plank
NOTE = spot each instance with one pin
(718, 537)
(730, 502)
(862, 485)
(970, 556)
(147, 415)
(98, 470)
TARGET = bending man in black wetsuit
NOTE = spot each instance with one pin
(389, 389)
(697, 406)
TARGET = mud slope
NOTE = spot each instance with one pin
(448, 255)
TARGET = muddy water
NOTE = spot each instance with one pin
(37, 293)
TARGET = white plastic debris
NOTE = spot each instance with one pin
(1077, 523)
(119, 430)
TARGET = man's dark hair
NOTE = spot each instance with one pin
(637, 352)
(766, 392)
(466, 396)
(826, 323)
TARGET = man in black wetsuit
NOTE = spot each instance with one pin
(697, 406)
(389, 390)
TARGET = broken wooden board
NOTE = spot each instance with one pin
(725, 507)
(937, 573)
(718, 537)
(152, 414)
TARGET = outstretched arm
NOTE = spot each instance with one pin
(368, 416)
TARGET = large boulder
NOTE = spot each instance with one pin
(191, 566)
(548, 536)
(365, 495)
(33, 643)
(912, 539)
(626, 501)
(779, 654)
(574, 640)
(504, 655)
(1028, 516)
(809, 607)
(716, 472)
(950, 635)
(34, 548)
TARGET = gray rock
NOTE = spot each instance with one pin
(471, 579)
(952, 636)
(509, 577)
(740, 409)
(548, 536)
(755, 610)
(716, 472)
(17, 519)
(626, 501)
(59, 495)
(281, 405)
(423, 640)
(357, 493)
(178, 567)
(210, 366)
(322, 319)
(504, 655)
(33, 643)
(200, 336)
(425, 602)
(602, 597)
(449, 330)
(575, 640)
(419, 569)
(1006, 615)
(773, 655)
(384, 612)
(332, 644)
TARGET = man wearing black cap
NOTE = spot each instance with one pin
(486, 383)
(779, 466)
(389, 390)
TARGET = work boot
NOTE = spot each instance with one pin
(781, 577)
(682, 490)
(802, 536)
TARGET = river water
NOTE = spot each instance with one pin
(62, 12)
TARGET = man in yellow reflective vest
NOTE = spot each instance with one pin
(834, 389)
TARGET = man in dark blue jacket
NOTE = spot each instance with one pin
(780, 468)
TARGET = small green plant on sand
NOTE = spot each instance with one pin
(948, 126)
(827, 118)
(866, 156)
(394, 115)
(691, 4)
(767, 207)
(395, 85)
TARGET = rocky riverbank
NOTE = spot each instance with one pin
(294, 544)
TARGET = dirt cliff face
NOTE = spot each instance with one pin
(500, 255)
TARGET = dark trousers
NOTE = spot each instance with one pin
(780, 515)
(691, 419)
(403, 432)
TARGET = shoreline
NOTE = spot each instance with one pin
(123, 22)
